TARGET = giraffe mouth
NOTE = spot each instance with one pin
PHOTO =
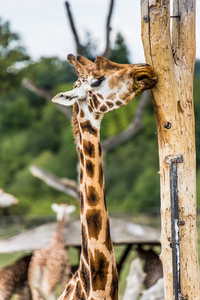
(146, 80)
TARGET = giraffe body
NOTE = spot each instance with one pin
(50, 266)
(13, 280)
(102, 86)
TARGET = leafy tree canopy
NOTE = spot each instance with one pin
(119, 53)
(12, 58)
(33, 131)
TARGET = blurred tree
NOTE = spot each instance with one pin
(89, 48)
(12, 58)
(49, 72)
(197, 68)
(34, 132)
(119, 53)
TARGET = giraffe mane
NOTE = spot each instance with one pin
(76, 131)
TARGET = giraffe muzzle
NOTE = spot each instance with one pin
(145, 77)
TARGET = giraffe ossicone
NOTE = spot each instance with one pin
(101, 87)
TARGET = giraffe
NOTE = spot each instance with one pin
(13, 280)
(50, 266)
(101, 87)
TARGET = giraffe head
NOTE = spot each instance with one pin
(105, 85)
(62, 211)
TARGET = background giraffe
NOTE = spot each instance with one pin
(102, 86)
(50, 266)
(13, 280)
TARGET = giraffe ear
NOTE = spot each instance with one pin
(66, 99)
(70, 209)
(55, 207)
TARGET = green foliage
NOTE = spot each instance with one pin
(132, 181)
(34, 132)
(197, 68)
(15, 115)
(12, 57)
(119, 53)
(89, 49)
(49, 72)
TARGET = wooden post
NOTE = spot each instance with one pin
(172, 54)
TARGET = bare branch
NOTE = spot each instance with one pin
(66, 186)
(46, 95)
(131, 130)
(74, 31)
(108, 29)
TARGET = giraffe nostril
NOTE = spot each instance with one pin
(142, 78)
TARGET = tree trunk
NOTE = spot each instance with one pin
(173, 56)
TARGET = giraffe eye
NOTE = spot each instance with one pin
(97, 81)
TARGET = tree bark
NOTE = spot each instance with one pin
(173, 56)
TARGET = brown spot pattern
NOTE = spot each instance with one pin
(108, 242)
(124, 95)
(90, 109)
(87, 126)
(100, 96)
(119, 103)
(76, 275)
(90, 168)
(99, 270)
(99, 149)
(79, 293)
(110, 104)
(100, 175)
(81, 158)
(82, 114)
(84, 244)
(68, 291)
(88, 148)
(94, 223)
(76, 108)
(114, 284)
(82, 202)
(112, 96)
(97, 117)
(103, 108)
(113, 82)
(95, 101)
(92, 196)
(85, 278)
(81, 175)
(91, 103)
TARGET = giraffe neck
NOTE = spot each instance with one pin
(96, 278)
(97, 256)
(59, 232)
